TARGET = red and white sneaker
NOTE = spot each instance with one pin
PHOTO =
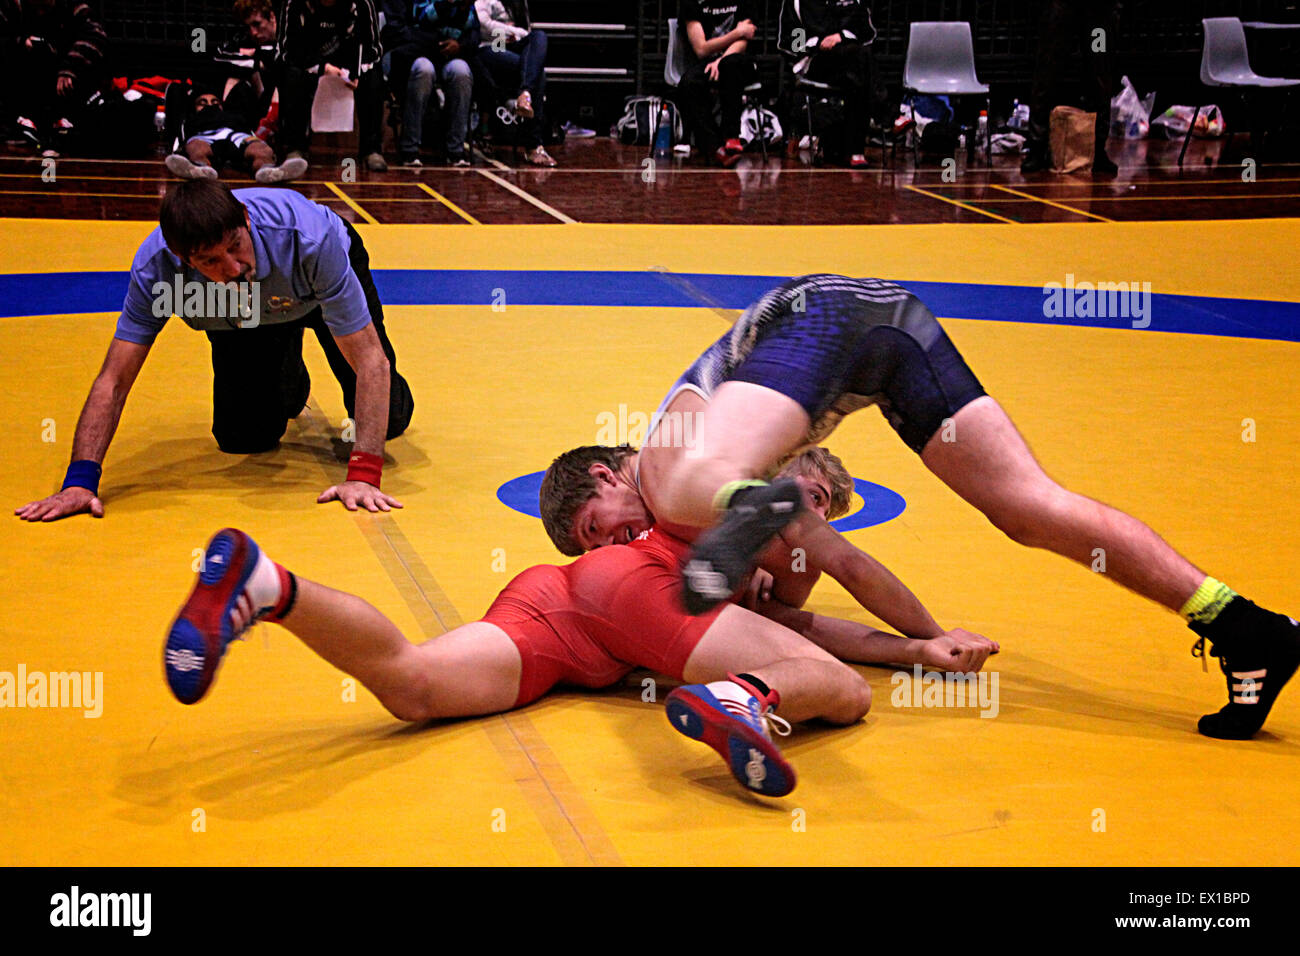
(237, 586)
(734, 718)
(729, 153)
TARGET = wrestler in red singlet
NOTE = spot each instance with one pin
(593, 621)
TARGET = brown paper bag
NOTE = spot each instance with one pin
(1073, 139)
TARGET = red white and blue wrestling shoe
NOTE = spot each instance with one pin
(237, 586)
(733, 717)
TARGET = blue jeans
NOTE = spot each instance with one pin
(520, 66)
(457, 85)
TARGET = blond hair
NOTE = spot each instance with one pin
(819, 462)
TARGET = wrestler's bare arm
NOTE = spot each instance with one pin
(850, 641)
(810, 546)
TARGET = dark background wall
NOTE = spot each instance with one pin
(1158, 45)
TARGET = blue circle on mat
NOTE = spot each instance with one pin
(879, 504)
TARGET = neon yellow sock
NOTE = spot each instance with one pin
(722, 500)
(1207, 601)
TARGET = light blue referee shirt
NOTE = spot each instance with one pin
(301, 251)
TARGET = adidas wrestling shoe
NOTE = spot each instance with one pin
(237, 586)
(733, 717)
(1258, 651)
(723, 556)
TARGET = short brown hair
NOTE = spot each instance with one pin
(246, 8)
(568, 485)
(198, 213)
(821, 461)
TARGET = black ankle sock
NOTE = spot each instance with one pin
(755, 683)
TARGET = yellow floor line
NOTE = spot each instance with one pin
(1047, 184)
(569, 823)
(956, 202)
(449, 204)
(1051, 202)
(351, 202)
(55, 193)
(1222, 198)
(598, 847)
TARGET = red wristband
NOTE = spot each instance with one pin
(363, 466)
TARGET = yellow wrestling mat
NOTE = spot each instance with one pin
(1092, 758)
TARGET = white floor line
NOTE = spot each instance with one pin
(522, 194)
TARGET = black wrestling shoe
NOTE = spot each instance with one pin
(1258, 652)
(723, 556)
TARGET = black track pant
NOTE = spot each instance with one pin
(260, 380)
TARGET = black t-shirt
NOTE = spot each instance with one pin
(718, 17)
(215, 117)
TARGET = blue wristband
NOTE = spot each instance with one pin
(83, 474)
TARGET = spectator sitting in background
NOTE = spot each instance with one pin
(335, 38)
(408, 66)
(253, 95)
(52, 61)
(830, 42)
(718, 34)
(445, 33)
(213, 136)
(514, 56)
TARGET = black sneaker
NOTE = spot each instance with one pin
(1258, 652)
(724, 555)
(1037, 156)
(1103, 165)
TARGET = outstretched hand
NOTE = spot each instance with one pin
(70, 501)
(359, 493)
(958, 650)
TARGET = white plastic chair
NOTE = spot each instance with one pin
(941, 62)
(1225, 62)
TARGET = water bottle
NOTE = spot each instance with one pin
(663, 134)
(982, 127)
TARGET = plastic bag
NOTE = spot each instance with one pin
(1175, 120)
(1130, 114)
(1007, 143)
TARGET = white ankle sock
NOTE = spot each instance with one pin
(264, 586)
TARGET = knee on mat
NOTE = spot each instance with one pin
(399, 417)
(412, 703)
(248, 442)
(854, 699)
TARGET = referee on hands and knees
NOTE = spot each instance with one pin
(275, 263)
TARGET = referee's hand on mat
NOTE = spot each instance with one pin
(70, 501)
(359, 493)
